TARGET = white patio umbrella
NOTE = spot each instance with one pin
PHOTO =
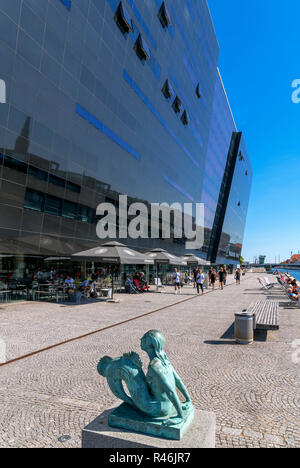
(193, 260)
(115, 253)
(162, 257)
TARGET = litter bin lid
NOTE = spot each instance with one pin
(244, 314)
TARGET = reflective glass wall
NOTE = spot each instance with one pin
(231, 243)
(221, 128)
(103, 97)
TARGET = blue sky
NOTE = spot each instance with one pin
(259, 60)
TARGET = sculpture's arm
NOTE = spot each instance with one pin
(181, 387)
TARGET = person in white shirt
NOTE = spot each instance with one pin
(177, 280)
(200, 281)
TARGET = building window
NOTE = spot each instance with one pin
(69, 210)
(38, 173)
(164, 16)
(73, 187)
(53, 206)
(83, 214)
(185, 118)
(14, 164)
(142, 48)
(57, 181)
(198, 92)
(34, 200)
(167, 90)
(38, 201)
(123, 19)
(86, 215)
(177, 105)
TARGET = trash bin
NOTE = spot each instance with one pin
(244, 328)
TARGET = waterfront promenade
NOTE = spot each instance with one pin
(254, 390)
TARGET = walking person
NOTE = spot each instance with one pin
(195, 273)
(213, 277)
(209, 277)
(238, 276)
(225, 275)
(206, 280)
(221, 278)
(200, 282)
(177, 281)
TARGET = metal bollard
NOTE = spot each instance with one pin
(244, 328)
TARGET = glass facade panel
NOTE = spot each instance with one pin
(231, 243)
(53, 206)
(34, 201)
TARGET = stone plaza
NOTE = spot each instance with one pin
(254, 390)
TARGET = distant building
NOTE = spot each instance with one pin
(295, 260)
(262, 259)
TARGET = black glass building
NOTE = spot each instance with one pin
(106, 98)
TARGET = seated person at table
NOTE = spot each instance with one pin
(136, 277)
(143, 282)
(137, 282)
(86, 285)
(69, 285)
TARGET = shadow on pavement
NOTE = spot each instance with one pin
(228, 337)
(229, 334)
(221, 342)
(260, 335)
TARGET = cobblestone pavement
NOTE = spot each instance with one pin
(254, 390)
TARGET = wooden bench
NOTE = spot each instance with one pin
(267, 316)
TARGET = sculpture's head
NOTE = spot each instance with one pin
(104, 365)
(153, 340)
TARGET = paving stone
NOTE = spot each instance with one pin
(253, 390)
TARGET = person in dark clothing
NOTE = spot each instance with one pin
(195, 273)
(209, 276)
(221, 278)
(213, 278)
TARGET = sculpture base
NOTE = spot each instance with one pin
(200, 434)
(126, 417)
